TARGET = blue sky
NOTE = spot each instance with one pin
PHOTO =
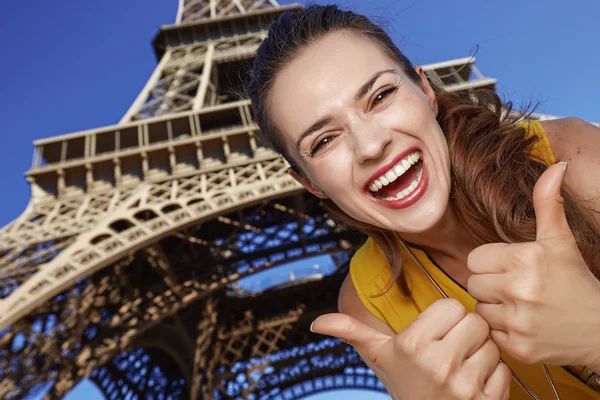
(73, 65)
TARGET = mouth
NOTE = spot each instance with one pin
(399, 181)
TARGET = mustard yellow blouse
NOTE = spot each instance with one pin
(371, 273)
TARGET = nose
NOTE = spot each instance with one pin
(369, 141)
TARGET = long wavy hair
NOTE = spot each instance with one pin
(492, 170)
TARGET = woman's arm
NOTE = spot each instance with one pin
(350, 304)
(578, 142)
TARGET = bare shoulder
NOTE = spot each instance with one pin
(572, 137)
(578, 142)
(350, 304)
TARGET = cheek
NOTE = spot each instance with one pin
(411, 113)
(334, 175)
(337, 175)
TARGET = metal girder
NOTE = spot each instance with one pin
(113, 310)
(264, 350)
(159, 366)
(194, 10)
(156, 210)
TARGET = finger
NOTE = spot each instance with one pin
(437, 320)
(549, 204)
(466, 337)
(497, 386)
(501, 339)
(493, 314)
(366, 340)
(489, 258)
(349, 329)
(487, 288)
(483, 362)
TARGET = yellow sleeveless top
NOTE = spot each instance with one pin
(371, 274)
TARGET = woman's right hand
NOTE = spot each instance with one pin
(445, 354)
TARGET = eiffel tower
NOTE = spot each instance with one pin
(138, 262)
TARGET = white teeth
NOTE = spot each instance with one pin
(391, 176)
(413, 185)
(409, 189)
(394, 173)
(399, 170)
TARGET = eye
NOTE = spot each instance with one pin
(382, 96)
(321, 143)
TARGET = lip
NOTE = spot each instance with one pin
(411, 198)
(389, 166)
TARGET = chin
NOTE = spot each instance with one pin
(420, 223)
(420, 218)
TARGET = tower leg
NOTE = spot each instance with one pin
(206, 328)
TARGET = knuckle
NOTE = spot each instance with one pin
(442, 373)
(409, 343)
(475, 257)
(493, 350)
(465, 386)
(472, 257)
(447, 307)
(345, 322)
(528, 290)
(370, 354)
(466, 390)
(478, 323)
(453, 305)
(348, 326)
(522, 351)
(471, 282)
(529, 255)
(521, 323)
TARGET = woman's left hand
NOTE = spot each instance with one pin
(540, 299)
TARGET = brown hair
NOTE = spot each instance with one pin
(493, 172)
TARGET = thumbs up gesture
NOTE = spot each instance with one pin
(540, 299)
(446, 354)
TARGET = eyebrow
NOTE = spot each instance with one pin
(364, 89)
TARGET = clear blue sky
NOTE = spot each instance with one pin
(72, 65)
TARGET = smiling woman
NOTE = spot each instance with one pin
(459, 198)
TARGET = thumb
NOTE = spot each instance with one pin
(367, 341)
(548, 204)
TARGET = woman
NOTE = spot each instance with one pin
(456, 199)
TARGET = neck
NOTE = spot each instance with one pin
(448, 243)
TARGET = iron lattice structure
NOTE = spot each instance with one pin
(125, 267)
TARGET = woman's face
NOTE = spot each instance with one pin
(363, 134)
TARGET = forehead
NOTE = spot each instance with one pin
(322, 76)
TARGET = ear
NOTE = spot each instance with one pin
(428, 90)
(308, 185)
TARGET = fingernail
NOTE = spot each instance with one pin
(311, 325)
(564, 164)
